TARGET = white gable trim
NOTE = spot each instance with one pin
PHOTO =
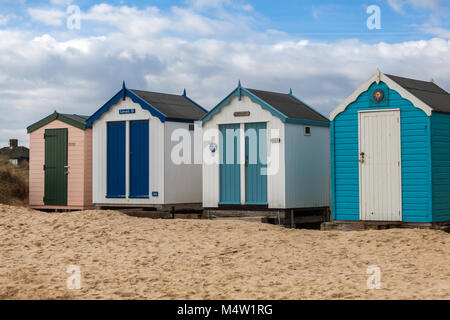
(377, 77)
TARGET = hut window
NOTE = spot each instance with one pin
(191, 127)
(307, 131)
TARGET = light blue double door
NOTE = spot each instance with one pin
(255, 164)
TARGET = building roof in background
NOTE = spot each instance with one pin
(426, 91)
(78, 121)
(15, 152)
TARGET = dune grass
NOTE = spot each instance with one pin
(13, 182)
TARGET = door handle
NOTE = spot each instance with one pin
(246, 161)
(362, 157)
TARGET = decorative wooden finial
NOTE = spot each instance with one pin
(124, 89)
(239, 90)
(378, 74)
(184, 92)
(290, 91)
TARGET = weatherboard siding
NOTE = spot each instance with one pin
(182, 181)
(440, 155)
(77, 195)
(88, 167)
(307, 166)
(276, 196)
(415, 151)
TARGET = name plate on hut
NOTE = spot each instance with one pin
(242, 113)
(127, 111)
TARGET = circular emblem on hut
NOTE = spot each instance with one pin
(213, 147)
(378, 95)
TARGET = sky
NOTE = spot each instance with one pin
(323, 50)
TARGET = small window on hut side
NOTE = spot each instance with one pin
(307, 131)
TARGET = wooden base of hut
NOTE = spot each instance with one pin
(381, 225)
(61, 208)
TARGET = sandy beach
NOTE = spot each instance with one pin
(123, 257)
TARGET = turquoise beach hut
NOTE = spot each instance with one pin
(390, 152)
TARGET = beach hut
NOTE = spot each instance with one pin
(60, 163)
(265, 150)
(390, 147)
(135, 154)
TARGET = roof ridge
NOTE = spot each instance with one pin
(393, 75)
(443, 93)
(286, 94)
(169, 94)
(424, 81)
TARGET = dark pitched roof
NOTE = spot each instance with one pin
(428, 92)
(15, 153)
(75, 120)
(176, 107)
(76, 117)
(289, 105)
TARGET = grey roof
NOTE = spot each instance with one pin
(15, 153)
(288, 105)
(177, 107)
(428, 92)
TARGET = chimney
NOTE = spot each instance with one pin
(13, 143)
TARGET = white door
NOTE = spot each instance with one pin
(380, 165)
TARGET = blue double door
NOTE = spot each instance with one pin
(255, 165)
(138, 159)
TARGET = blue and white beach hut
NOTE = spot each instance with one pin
(390, 152)
(265, 150)
(132, 150)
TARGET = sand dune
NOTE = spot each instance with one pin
(122, 257)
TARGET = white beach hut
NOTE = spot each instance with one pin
(265, 150)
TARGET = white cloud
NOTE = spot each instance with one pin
(4, 19)
(167, 52)
(206, 4)
(434, 8)
(151, 21)
(48, 17)
(399, 5)
(437, 31)
(219, 5)
(61, 2)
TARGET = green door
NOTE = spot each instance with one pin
(55, 190)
